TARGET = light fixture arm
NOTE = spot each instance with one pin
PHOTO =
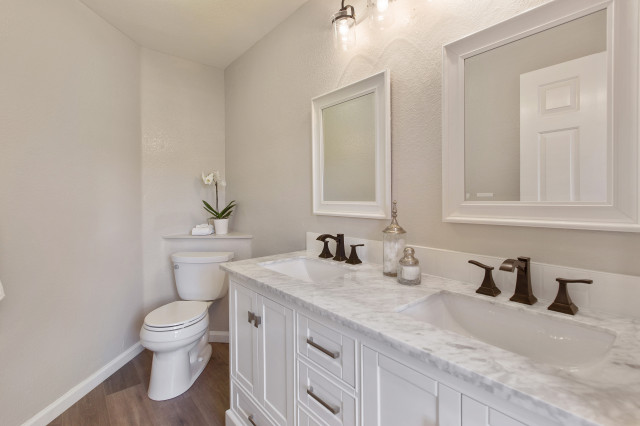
(344, 12)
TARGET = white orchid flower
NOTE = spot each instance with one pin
(208, 180)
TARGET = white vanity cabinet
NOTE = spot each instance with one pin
(393, 393)
(396, 394)
(262, 358)
(293, 367)
(327, 373)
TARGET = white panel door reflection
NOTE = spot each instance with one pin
(563, 131)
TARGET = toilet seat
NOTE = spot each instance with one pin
(176, 315)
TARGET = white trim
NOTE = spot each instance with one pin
(218, 336)
(380, 85)
(232, 419)
(74, 394)
(621, 212)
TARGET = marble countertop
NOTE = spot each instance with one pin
(364, 300)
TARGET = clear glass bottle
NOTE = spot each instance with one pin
(393, 241)
(409, 272)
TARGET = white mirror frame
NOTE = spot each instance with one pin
(379, 85)
(621, 210)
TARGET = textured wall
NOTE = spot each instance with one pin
(70, 251)
(268, 132)
(182, 105)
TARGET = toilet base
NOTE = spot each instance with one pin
(173, 373)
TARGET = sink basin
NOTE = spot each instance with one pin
(308, 270)
(540, 337)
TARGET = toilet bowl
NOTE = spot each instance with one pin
(178, 332)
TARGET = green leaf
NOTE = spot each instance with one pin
(226, 212)
(210, 209)
(223, 214)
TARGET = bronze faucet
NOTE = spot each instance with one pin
(523, 293)
(563, 302)
(339, 239)
(488, 286)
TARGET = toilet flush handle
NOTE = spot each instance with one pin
(176, 266)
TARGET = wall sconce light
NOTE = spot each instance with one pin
(380, 17)
(344, 27)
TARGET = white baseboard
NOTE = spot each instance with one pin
(219, 336)
(58, 406)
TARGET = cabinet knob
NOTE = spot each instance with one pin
(250, 418)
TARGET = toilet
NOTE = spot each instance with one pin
(178, 332)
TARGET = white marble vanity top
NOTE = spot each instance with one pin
(607, 393)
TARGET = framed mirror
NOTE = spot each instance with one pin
(540, 119)
(352, 150)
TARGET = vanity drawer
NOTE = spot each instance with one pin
(246, 409)
(325, 399)
(330, 349)
(306, 419)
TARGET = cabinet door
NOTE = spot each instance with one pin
(276, 357)
(475, 413)
(244, 350)
(394, 394)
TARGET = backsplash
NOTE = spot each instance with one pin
(611, 293)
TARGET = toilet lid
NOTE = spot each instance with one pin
(176, 314)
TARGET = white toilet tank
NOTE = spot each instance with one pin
(198, 276)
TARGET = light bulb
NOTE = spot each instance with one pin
(380, 15)
(343, 28)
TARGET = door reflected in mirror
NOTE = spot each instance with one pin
(536, 117)
(349, 150)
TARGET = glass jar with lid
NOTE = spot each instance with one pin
(393, 242)
(409, 272)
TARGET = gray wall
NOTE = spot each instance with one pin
(70, 213)
(182, 124)
(268, 132)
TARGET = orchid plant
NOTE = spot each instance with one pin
(215, 179)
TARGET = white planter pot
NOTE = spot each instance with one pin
(221, 226)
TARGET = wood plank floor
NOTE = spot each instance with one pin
(122, 398)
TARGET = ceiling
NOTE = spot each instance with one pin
(213, 32)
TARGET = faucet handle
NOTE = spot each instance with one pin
(326, 253)
(353, 256)
(488, 286)
(563, 302)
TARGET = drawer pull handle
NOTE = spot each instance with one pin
(334, 410)
(250, 418)
(250, 316)
(325, 351)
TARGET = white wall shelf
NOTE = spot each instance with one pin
(230, 236)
